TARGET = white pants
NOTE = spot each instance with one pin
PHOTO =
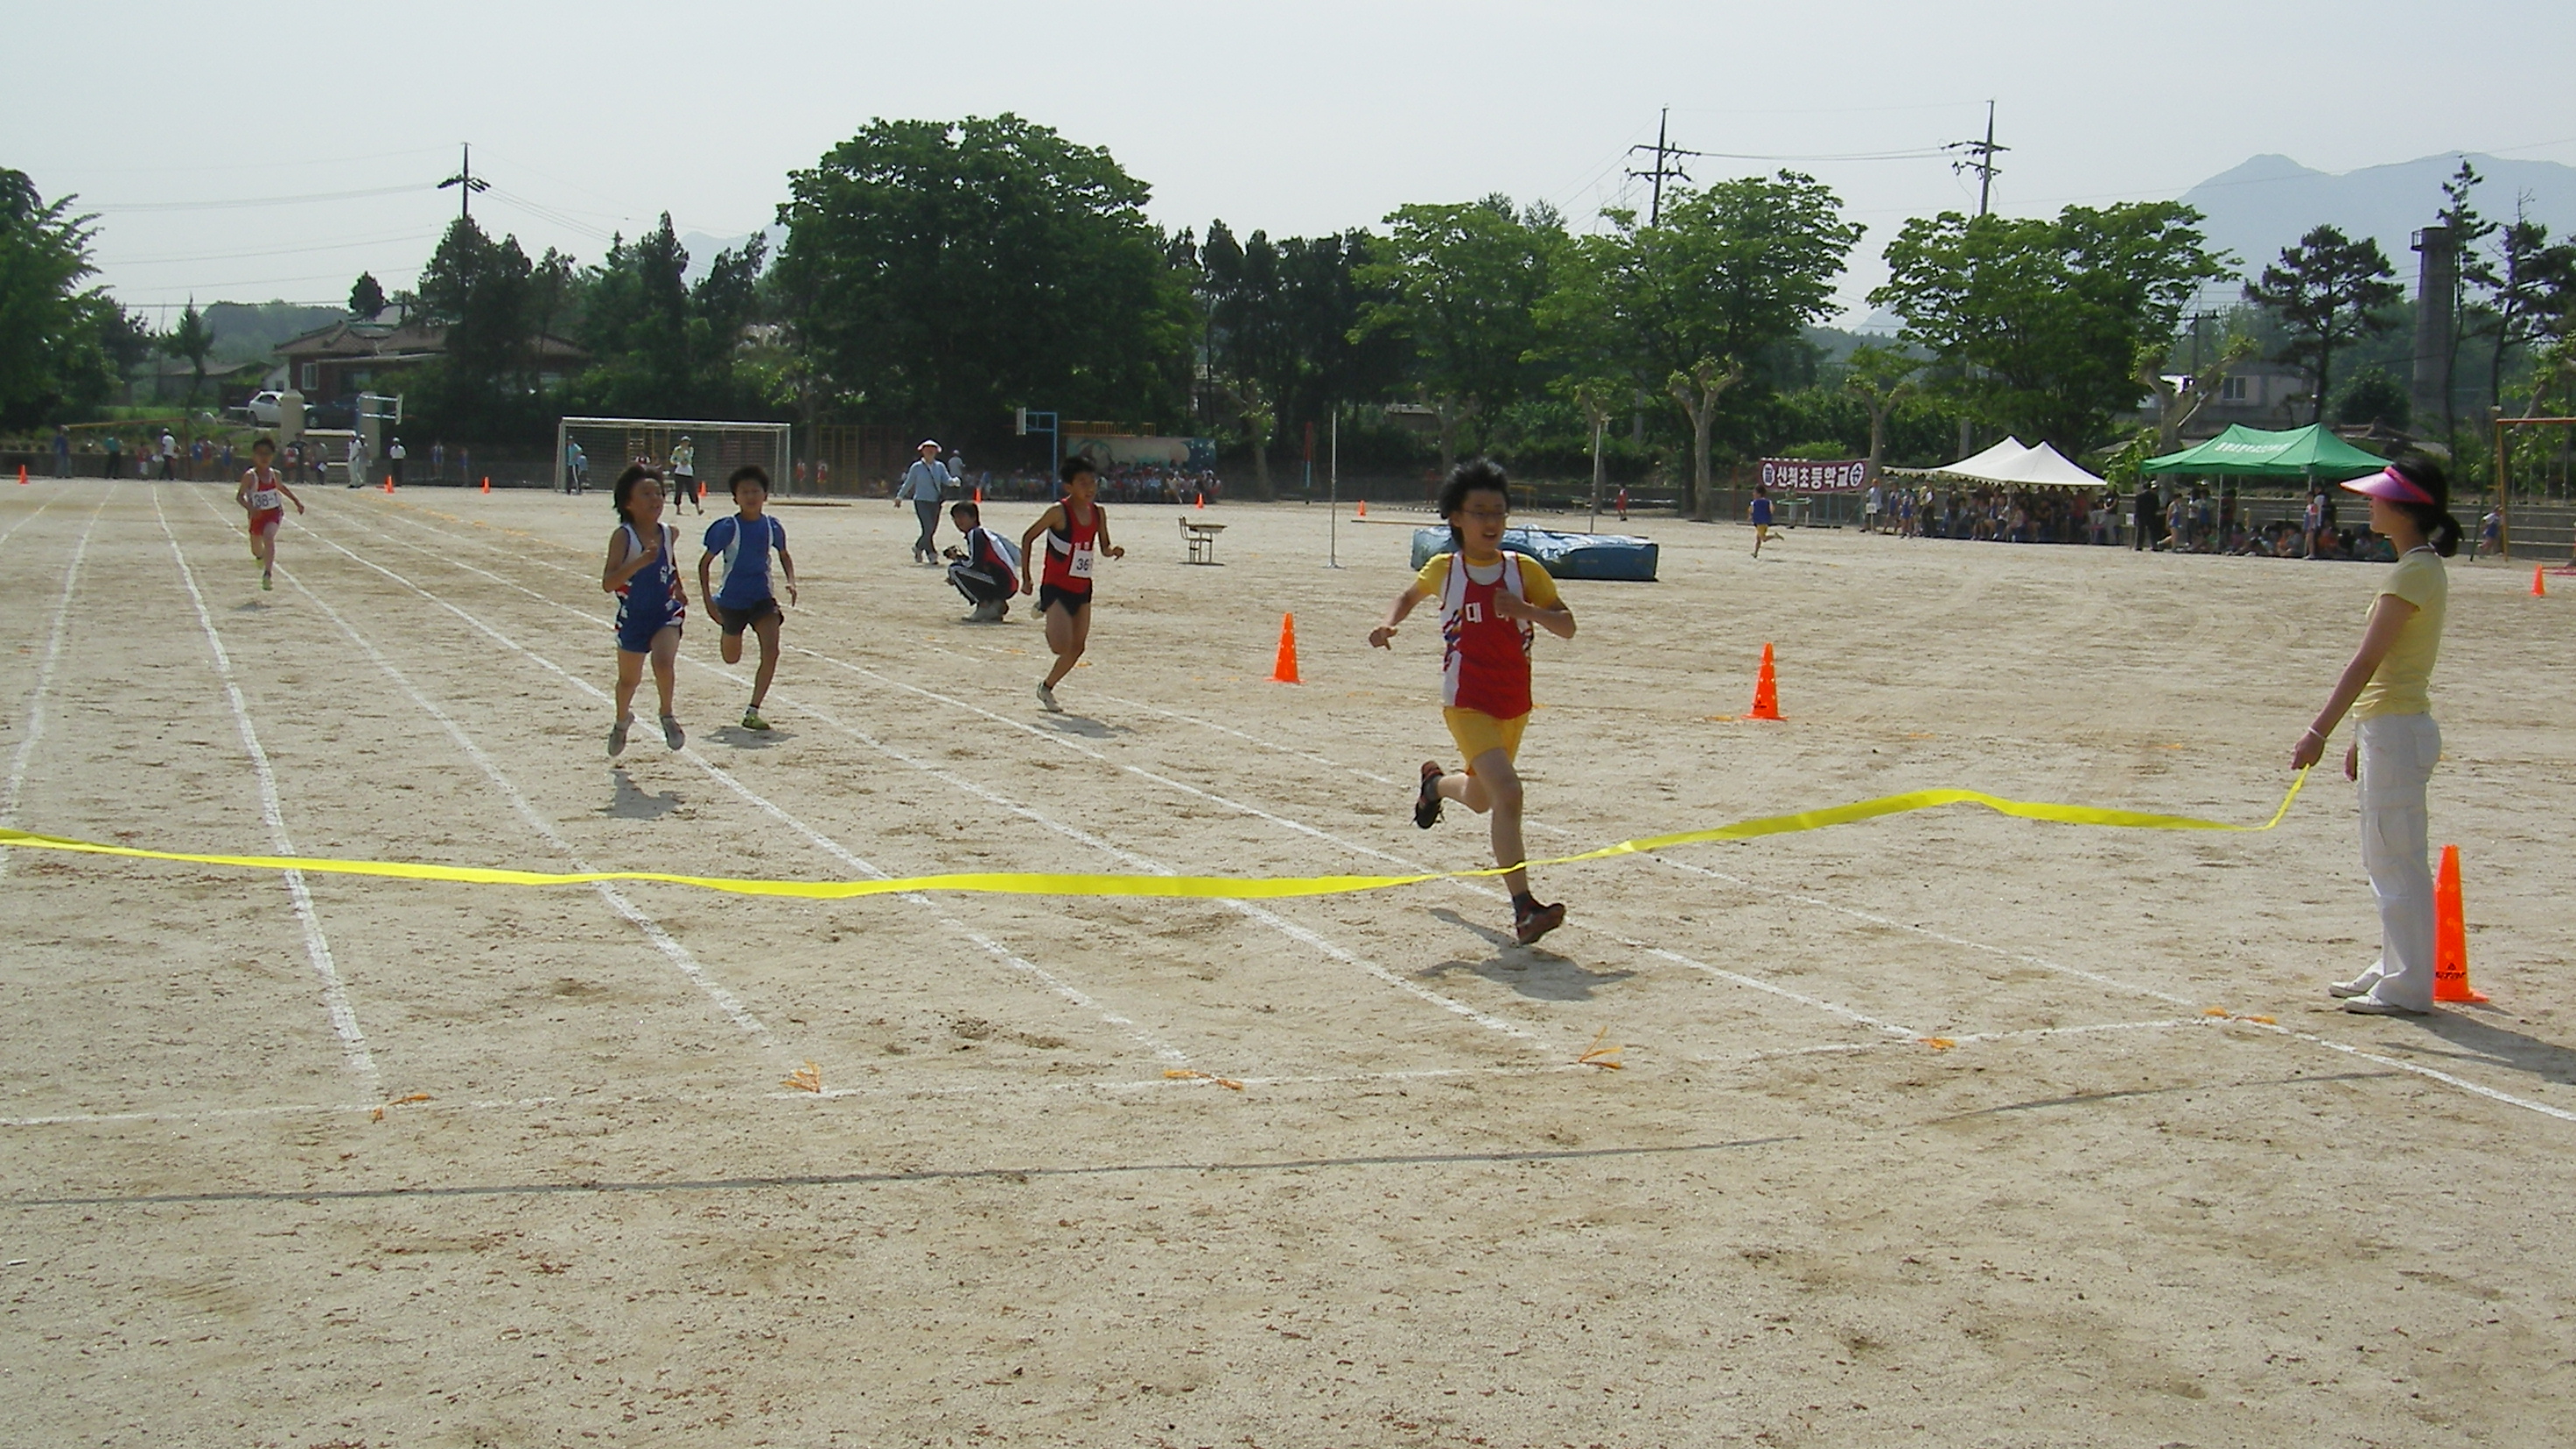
(2398, 752)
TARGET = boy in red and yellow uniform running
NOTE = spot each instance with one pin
(1489, 601)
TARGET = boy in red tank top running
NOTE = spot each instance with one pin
(1077, 535)
(1489, 602)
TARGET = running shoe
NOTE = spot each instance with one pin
(751, 720)
(264, 583)
(2373, 1006)
(671, 732)
(2357, 986)
(617, 737)
(1537, 921)
(1426, 801)
(1046, 700)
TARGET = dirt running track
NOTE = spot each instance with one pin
(1943, 1130)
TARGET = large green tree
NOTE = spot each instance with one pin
(1716, 292)
(60, 342)
(1283, 329)
(2039, 322)
(189, 342)
(1459, 284)
(2327, 290)
(479, 291)
(950, 271)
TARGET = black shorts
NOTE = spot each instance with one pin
(1074, 603)
(734, 621)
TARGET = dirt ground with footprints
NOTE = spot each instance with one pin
(1944, 1129)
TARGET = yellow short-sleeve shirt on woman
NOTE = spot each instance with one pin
(2403, 683)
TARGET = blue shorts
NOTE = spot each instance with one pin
(636, 627)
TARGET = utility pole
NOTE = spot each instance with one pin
(1661, 150)
(1979, 156)
(467, 183)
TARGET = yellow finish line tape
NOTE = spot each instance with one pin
(1205, 887)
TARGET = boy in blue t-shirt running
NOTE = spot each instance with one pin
(745, 600)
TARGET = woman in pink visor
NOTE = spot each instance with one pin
(2385, 687)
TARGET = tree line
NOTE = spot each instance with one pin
(937, 275)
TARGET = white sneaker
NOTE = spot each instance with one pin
(2357, 986)
(2373, 1006)
(1046, 700)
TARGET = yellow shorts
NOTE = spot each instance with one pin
(1476, 732)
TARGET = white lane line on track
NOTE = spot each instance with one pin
(296, 1109)
(31, 715)
(678, 955)
(39, 508)
(1312, 940)
(1161, 1049)
(317, 948)
(2060, 968)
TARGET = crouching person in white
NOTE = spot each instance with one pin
(2387, 689)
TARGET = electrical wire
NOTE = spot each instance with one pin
(319, 196)
(274, 252)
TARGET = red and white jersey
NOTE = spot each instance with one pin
(1485, 657)
(1070, 552)
(264, 497)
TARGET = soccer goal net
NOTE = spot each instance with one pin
(591, 452)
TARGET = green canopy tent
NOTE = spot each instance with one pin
(2310, 452)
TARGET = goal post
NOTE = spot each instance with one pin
(608, 445)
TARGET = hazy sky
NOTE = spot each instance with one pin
(590, 119)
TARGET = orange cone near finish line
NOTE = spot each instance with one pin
(22, 475)
(487, 482)
(2539, 581)
(1284, 671)
(1766, 690)
(1363, 508)
(2451, 935)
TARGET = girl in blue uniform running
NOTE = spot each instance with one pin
(650, 601)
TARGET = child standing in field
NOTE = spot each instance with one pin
(2396, 744)
(684, 477)
(650, 602)
(746, 601)
(1077, 536)
(264, 496)
(1489, 601)
(1759, 511)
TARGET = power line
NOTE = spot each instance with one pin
(264, 200)
(1655, 211)
(1979, 156)
(467, 183)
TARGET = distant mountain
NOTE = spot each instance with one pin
(702, 249)
(2270, 202)
(250, 331)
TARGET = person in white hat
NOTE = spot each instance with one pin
(923, 483)
(2387, 686)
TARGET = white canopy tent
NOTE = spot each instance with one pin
(1988, 466)
(2045, 467)
(2010, 462)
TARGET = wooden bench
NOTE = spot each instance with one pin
(1199, 539)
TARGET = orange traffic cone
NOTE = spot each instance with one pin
(2539, 581)
(1202, 500)
(1285, 670)
(487, 482)
(979, 497)
(22, 475)
(2451, 935)
(1766, 690)
(1363, 508)
(389, 482)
